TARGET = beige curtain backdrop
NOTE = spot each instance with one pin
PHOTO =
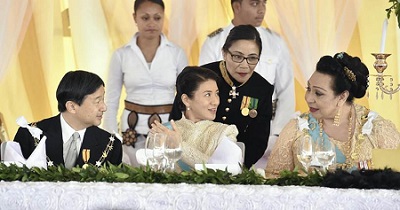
(41, 40)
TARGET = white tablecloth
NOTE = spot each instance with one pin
(73, 195)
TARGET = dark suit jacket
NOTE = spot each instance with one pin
(95, 139)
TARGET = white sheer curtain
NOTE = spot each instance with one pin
(49, 37)
(185, 33)
(315, 28)
(14, 19)
(195, 20)
(120, 23)
(42, 51)
(91, 42)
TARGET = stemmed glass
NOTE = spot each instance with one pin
(305, 151)
(154, 149)
(173, 150)
(325, 152)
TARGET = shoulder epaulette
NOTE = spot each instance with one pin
(212, 34)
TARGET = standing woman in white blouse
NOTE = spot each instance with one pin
(147, 67)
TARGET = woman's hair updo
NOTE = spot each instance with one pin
(348, 73)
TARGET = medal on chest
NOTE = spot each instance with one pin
(85, 157)
(249, 106)
(233, 92)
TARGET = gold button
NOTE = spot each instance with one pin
(223, 118)
(229, 100)
(227, 109)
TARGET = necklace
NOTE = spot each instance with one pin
(228, 80)
(321, 125)
(346, 146)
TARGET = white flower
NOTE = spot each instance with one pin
(367, 128)
(35, 132)
(303, 123)
(261, 172)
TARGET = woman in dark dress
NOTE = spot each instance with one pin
(245, 96)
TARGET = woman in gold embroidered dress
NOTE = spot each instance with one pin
(195, 106)
(354, 129)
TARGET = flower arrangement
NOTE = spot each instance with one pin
(394, 8)
(303, 123)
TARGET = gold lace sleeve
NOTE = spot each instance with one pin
(385, 134)
(231, 132)
(201, 153)
(281, 157)
(192, 155)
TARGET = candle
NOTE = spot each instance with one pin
(383, 39)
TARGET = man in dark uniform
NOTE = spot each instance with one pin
(73, 134)
(245, 96)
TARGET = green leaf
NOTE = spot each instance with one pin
(395, 8)
(121, 175)
(126, 173)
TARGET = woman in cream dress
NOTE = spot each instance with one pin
(195, 106)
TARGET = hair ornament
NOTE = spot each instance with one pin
(340, 55)
(349, 74)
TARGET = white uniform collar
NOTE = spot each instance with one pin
(164, 40)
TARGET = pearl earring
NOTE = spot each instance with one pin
(188, 108)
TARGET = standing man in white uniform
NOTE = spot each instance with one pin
(275, 63)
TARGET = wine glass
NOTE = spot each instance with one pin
(154, 149)
(305, 151)
(173, 150)
(149, 150)
(325, 152)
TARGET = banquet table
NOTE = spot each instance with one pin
(102, 195)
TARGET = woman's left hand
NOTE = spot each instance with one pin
(157, 127)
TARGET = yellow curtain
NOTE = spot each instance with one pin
(59, 36)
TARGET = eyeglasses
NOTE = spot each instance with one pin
(252, 60)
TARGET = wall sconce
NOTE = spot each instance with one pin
(380, 65)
